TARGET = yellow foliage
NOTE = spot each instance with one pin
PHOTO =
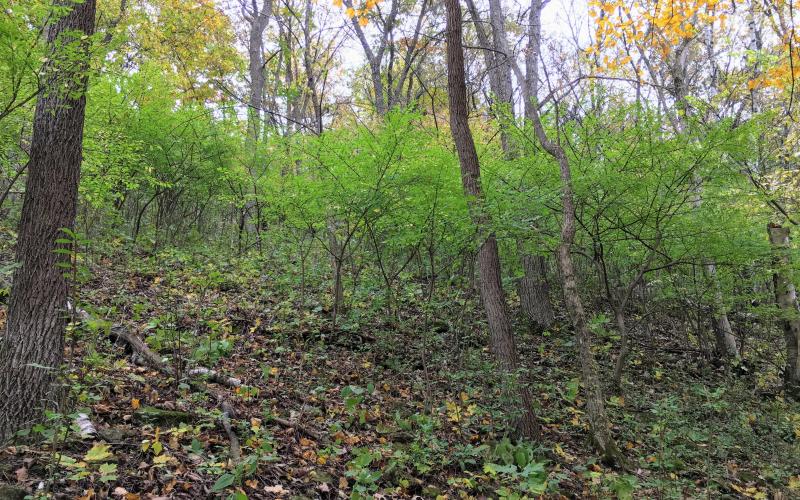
(656, 25)
(361, 13)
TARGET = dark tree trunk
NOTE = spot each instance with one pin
(33, 345)
(534, 291)
(786, 298)
(494, 302)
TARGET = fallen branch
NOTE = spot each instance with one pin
(215, 376)
(236, 449)
(152, 359)
(299, 427)
(86, 427)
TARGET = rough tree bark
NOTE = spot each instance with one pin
(533, 289)
(258, 17)
(595, 401)
(786, 298)
(33, 345)
(501, 336)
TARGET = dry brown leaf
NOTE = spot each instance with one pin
(22, 474)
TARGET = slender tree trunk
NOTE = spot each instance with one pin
(723, 333)
(502, 58)
(337, 261)
(258, 17)
(624, 348)
(533, 288)
(33, 345)
(501, 335)
(595, 401)
(786, 298)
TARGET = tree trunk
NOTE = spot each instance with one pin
(786, 298)
(502, 59)
(723, 333)
(33, 346)
(624, 348)
(534, 291)
(258, 18)
(595, 401)
(502, 341)
(337, 261)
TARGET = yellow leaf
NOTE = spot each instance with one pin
(350, 12)
(98, 453)
(135, 403)
(363, 21)
(337, 3)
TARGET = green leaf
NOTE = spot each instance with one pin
(223, 482)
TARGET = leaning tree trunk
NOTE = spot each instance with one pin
(501, 335)
(786, 297)
(33, 345)
(595, 401)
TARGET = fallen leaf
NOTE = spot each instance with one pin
(98, 453)
(22, 474)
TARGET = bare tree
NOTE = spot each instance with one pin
(388, 92)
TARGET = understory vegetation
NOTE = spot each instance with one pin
(398, 248)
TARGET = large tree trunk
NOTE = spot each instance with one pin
(786, 297)
(595, 401)
(33, 345)
(258, 17)
(534, 291)
(494, 302)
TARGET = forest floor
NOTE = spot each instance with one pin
(395, 408)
